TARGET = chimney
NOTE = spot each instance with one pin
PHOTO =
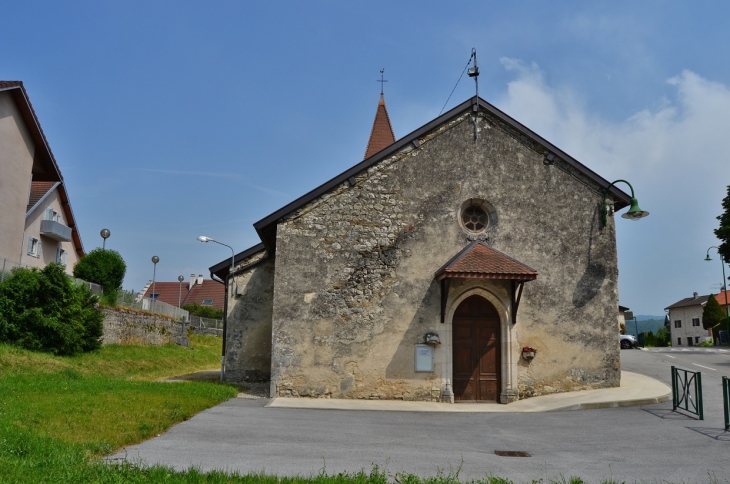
(200, 279)
(192, 282)
(695, 295)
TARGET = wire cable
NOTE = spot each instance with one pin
(457, 83)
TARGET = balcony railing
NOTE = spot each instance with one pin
(56, 230)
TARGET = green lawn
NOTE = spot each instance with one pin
(60, 415)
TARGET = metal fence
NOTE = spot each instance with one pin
(205, 323)
(95, 288)
(687, 391)
(7, 267)
(153, 306)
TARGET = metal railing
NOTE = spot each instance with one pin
(205, 323)
(153, 306)
(687, 391)
(726, 400)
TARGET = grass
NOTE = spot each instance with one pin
(60, 415)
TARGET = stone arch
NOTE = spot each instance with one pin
(508, 392)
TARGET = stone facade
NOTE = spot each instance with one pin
(351, 290)
(248, 342)
(129, 327)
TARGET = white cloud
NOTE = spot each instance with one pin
(675, 156)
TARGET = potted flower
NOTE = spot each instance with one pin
(528, 352)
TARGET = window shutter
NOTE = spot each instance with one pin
(65, 258)
(39, 247)
(30, 246)
(58, 255)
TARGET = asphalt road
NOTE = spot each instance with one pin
(649, 443)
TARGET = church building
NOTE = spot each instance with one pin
(467, 261)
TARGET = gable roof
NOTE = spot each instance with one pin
(689, 301)
(266, 227)
(479, 261)
(722, 297)
(169, 292)
(39, 190)
(46, 174)
(381, 136)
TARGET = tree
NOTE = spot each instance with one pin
(105, 267)
(42, 310)
(712, 314)
(723, 232)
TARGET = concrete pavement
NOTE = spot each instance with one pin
(635, 389)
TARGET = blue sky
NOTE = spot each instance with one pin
(171, 120)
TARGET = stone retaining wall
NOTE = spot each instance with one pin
(129, 327)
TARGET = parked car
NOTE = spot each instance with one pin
(628, 341)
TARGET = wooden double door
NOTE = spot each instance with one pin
(476, 346)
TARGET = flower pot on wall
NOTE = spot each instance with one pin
(528, 353)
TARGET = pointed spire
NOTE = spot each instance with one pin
(382, 134)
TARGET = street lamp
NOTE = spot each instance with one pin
(179, 294)
(724, 287)
(634, 213)
(203, 238)
(155, 260)
(104, 235)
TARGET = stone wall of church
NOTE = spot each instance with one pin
(354, 288)
(248, 343)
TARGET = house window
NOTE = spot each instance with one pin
(207, 302)
(61, 256)
(154, 296)
(34, 247)
(697, 340)
(678, 324)
(52, 215)
(679, 341)
(695, 321)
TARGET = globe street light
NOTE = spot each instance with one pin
(155, 260)
(634, 213)
(104, 235)
(179, 294)
(724, 287)
(203, 238)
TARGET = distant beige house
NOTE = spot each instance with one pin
(685, 321)
(37, 224)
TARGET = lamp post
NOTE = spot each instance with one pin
(724, 286)
(634, 213)
(203, 238)
(155, 260)
(104, 235)
(179, 294)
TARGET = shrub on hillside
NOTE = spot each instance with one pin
(196, 309)
(105, 267)
(42, 310)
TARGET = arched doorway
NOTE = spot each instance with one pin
(476, 347)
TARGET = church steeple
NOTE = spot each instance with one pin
(382, 134)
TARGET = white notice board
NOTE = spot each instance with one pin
(424, 358)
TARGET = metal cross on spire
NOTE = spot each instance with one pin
(381, 80)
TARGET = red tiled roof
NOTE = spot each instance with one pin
(381, 135)
(722, 298)
(38, 190)
(170, 291)
(7, 84)
(478, 261)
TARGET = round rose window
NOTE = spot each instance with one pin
(474, 218)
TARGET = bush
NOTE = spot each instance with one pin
(196, 309)
(105, 267)
(42, 310)
(661, 338)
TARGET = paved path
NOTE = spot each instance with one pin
(649, 443)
